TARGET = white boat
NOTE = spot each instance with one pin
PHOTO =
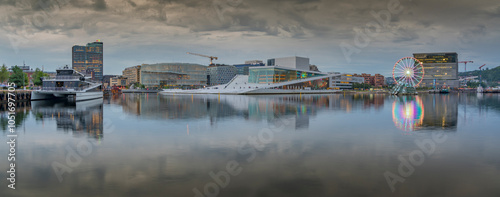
(70, 84)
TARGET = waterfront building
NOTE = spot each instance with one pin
(376, 80)
(271, 80)
(174, 75)
(276, 74)
(89, 57)
(300, 63)
(106, 79)
(133, 74)
(344, 81)
(119, 81)
(220, 74)
(441, 69)
(244, 68)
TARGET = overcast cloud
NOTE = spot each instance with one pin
(42, 32)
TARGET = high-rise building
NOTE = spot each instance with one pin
(441, 69)
(89, 57)
(133, 74)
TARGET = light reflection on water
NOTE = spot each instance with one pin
(331, 145)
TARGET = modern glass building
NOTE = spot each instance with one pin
(220, 74)
(269, 75)
(174, 75)
(89, 57)
(441, 69)
(243, 69)
(278, 74)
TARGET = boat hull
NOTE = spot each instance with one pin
(76, 96)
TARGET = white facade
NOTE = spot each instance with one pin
(300, 63)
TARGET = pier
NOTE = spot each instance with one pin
(20, 96)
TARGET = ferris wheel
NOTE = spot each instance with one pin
(408, 72)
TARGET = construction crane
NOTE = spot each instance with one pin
(211, 57)
(481, 74)
(482, 66)
(465, 62)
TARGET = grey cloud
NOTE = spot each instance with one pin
(100, 5)
(404, 34)
(472, 33)
(131, 3)
(97, 5)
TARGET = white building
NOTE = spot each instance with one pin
(300, 63)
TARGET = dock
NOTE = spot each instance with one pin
(19, 96)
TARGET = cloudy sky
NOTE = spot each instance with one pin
(337, 35)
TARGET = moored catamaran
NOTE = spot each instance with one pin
(68, 83)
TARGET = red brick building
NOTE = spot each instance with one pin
(377, 80)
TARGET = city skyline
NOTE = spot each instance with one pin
(137, 32)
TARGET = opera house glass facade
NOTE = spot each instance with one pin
(263, 75)
(174, 75)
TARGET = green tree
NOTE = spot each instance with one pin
(37, 75)
(471, 84)
(4, 74)
(361, 86)
(17, 77)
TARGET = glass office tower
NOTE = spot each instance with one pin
(89, 57)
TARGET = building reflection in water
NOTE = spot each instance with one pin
(81, 118)
(430, 112)
(296, 108)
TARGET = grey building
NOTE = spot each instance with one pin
(90, 56)
(174, 75)
(244, 68)
(300, 63)
(440, 69)
(220, 74)
(344, 81)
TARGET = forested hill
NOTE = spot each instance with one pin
(488, 74)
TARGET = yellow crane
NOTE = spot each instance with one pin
(211, 57)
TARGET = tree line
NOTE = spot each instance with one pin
(20, 78)
(490, 75)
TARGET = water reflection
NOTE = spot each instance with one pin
(83, 118)
(300, 108)
(351, 140)
(408, 112)
(429, 112)
(22, 111)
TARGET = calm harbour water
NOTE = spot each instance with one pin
(283, 145)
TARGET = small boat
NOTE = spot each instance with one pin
(68, 83)
(444, 91)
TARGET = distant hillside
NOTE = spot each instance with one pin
(488, 74)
